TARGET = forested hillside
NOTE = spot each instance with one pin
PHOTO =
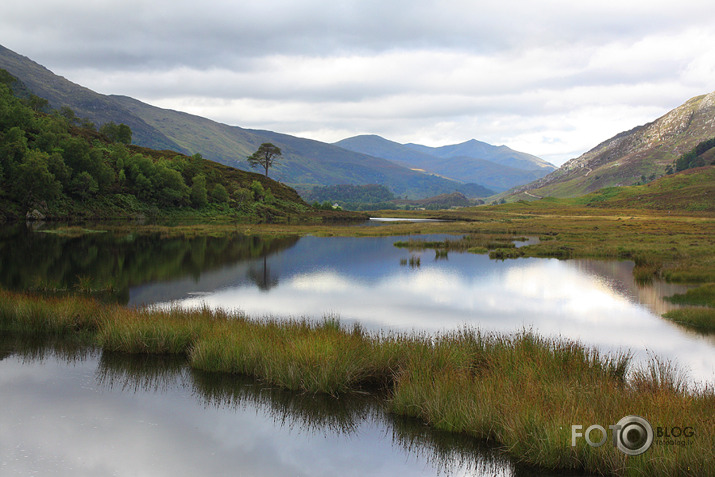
(54, 165)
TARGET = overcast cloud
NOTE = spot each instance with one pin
(552, 78)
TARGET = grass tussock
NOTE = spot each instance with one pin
(50, 316)
(698, 319)
(704, 295)
(521, 392)
(299, 355)
(156, 331)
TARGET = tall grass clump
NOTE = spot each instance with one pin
(703, 295)
(525, 392)
(698, 319)
(50, 316)
(300, 355)
(154, 330)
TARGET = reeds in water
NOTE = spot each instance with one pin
(522, 392)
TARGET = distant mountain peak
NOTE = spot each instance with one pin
(474, 161)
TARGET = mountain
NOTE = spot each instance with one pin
(631, 157)
(52, 169)
(481, 150)
(496, 167)
(305, 162)
(95, 107)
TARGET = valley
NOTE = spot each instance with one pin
(499, 303)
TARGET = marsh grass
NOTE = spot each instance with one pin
(155, 330)
(520, 392)
(298, 354)
(50, 316)
(704, 295)
(694, 318)
(466, 243)
(524, 393)
(701, 317)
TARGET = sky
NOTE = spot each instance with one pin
(552, 78)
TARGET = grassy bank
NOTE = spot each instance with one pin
(521, 392)
(672, 245)
(700, 317)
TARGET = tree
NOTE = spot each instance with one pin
(265, 156)
(219, 194)
(124, 134)
(33, 181)
(120, 133)
(199, 194)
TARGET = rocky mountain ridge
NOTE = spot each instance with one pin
(625, 159)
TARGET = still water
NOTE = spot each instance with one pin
(68, 411)
(75, 413)
(367, 280)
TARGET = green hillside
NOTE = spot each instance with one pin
(51, 168)
(690, 190)
(305, 162)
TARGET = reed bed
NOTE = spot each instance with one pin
(701, 320)
(155, 330)
(57, 316)
(525, 392)
(520, 392)
(299, 355)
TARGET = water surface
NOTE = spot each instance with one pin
(72, 411)
(78, 412)
(365, 279)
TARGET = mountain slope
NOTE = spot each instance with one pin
(691, 190)
(95, 107)
(496, 167)
(629, 157)
(305, 162)
(52, 169)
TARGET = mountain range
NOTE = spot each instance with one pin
(419, 172)
(496, 167)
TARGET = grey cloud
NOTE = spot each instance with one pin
(454, 69)
(166, 33)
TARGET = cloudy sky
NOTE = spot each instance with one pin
(550, 77)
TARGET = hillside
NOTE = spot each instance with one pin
(52, 169)
(494, 167)
(628, 158)
(305, 162)
(692, 190)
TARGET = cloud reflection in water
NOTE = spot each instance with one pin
(596, 302)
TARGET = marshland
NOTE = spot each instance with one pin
(498, 344)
